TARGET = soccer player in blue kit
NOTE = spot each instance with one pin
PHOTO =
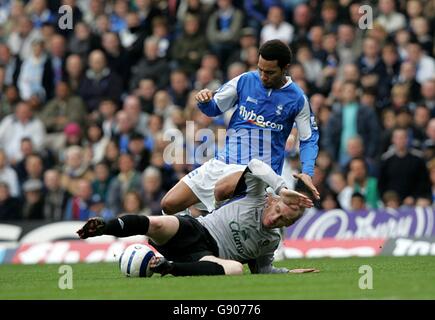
(268, 103)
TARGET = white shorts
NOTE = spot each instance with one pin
(203, 180)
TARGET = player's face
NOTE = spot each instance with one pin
(277, 214)
(271, 75)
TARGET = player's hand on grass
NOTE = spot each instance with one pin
(312, 270)
(204, 96)
(306, 179)
(92, 228)
(293, 198)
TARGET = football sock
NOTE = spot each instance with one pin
(197, 268)
(128, 225)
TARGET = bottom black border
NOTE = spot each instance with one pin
(215, 309)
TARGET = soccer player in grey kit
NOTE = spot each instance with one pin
(245, 229)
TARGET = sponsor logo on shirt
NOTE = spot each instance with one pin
(238, 235)
(258, 119)
(249, 99)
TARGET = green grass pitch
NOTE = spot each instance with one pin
(393, 278)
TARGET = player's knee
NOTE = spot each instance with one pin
(156, 224)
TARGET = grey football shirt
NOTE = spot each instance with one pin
(238, 230)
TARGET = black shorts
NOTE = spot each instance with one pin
(191, 242)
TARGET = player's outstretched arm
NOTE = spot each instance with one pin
(222, 100)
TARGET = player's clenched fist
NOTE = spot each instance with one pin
(205, 95)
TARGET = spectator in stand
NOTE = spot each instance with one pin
(146, 91)
(33, 206)
(9, 176)
(147, 11)
(358, 181)
(190, 46)
(161, 31)
(40, 14)
(150, 66)
(223, 29)
(64, 108)
(347, 45)
(403, 170)
(99, 82)
(15, 127)
(302, 21)
(391, 200)
(370, 63)
(425, 64)
(11, 63)
(20, 40)
(35, 77)
(92, 11)
(429, 143)
(55, 197)
(179, 88)
(101, 182)
(141, 155)
(117, 58)
(389, 18)
(428, 95)
(420, 27)
(247, 39)
(350, 120)
(133, 109)
(119, 15)
(107, 117)
(132, 38)
(205, 79)
(128, 179)
(74, 72)
(124, 129)
(329, 201)
(152, 190)
(329, 15)
(82, 41)
(256, 12)
(10, 206)
(33, 169)
(57, 57)
(357, 202)
(75, 169)
(83, 205)
(111, 157)
(431, 168)
(276, 27)
(311, 65)
(133, 204)
(95, 142)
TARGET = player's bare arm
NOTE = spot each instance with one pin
(307, 180)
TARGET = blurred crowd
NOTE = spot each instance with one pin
(84, 110)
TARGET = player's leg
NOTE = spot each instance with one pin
(231, 267)
(159, 228)
(206, 266)
(179, 198)
(226, 186)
